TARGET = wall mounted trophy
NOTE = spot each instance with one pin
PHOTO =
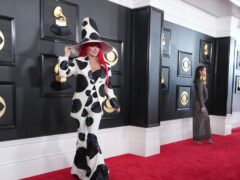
(164, 79)
(166, 42)
(60, 27)
(60, 21)
(59, 83)
(205, 51)
(52, 83)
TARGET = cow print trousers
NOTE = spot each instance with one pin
(88, 160)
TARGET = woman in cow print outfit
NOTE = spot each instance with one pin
(93, 82)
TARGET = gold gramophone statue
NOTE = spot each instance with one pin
(60, 19)
(206, 51)
(59, 83)
(60, 27)
(163, 85)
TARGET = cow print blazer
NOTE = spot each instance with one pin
(85, 84)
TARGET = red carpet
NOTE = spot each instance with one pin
(178, 161)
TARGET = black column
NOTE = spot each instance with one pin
(223, 81)
(145, 66)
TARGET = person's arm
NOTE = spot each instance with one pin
(66, 68)
(110, 93)
(199, 88)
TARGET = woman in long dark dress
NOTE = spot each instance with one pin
(201, 120)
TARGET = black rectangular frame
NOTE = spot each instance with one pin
(55, 93)
(167, 50)
(165, 90)
(13, 124)
(201, 51)
(177, 98)
(179, 72)
(116, 72)
(13, 41)
(60, 39)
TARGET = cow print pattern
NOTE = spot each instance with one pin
(82, 83)
(82, 65)
(76, 105)
(91, 113)
(89, 30)
(64, 65)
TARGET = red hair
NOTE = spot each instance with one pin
(83, 52)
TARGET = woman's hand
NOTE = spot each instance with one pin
(202, 109)
(117, 110)
(67, 51)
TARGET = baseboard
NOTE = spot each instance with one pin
(144, 141)
(175, 130)
(235, 119)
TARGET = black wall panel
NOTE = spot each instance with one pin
(186, 40)
(224, 80)
(40, 116)
(145, 66)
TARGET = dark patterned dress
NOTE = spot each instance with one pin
(201, 120)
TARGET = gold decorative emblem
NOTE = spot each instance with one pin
(163, 40)
(2, 107)
(206, 50)
(2, 40)
(112, 57)
(107, 106)
(185, 64)
(56, 76)
(184, 98)
(60, 19)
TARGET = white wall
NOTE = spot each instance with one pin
(183, 14)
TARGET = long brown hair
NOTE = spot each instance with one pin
(198, 73)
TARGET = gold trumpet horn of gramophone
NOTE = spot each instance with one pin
(59, 83)
(162, 81)
(60, 20)
(206, 50)
(56, 76)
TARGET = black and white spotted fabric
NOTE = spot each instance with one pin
(90, 34)
(87, 112)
